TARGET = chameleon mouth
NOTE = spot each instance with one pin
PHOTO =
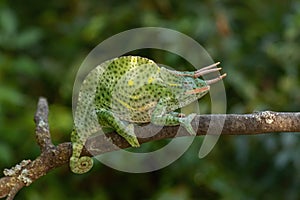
(198, 90)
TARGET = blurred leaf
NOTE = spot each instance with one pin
(26, 66)
(95, 26)
(178, 193)
(11, 96)
(62, 121)
(8, 22)
(6, 155)
(28, 37)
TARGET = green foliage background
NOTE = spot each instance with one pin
(42, 44)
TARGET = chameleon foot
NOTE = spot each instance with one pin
(186, 122)
(130, 137)
(106, 117)
(81, 165)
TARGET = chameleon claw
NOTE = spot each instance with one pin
(131, 137)
(181, 115)
(186, 122)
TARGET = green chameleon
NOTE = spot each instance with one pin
(132, 89)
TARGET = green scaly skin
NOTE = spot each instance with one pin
(133, 90)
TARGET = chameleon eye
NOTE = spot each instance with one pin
(186, 83)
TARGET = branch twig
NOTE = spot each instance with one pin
(27, 171)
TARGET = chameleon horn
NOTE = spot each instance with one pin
(199, 72)
(212, 81)
(197, 90)
(208, 67)
(203, 72)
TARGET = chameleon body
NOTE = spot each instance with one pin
(130, 89)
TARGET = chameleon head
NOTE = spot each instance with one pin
(187, 87)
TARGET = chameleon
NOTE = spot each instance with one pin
(132, 90)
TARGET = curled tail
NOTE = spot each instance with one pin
(79, 165)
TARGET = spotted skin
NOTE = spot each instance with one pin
(128, 90)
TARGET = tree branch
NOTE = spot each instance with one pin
(26, 172)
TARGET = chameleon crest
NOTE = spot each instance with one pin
(133, 90)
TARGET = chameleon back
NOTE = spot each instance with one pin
(129, 88)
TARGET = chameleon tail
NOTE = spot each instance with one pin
(80, 165)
